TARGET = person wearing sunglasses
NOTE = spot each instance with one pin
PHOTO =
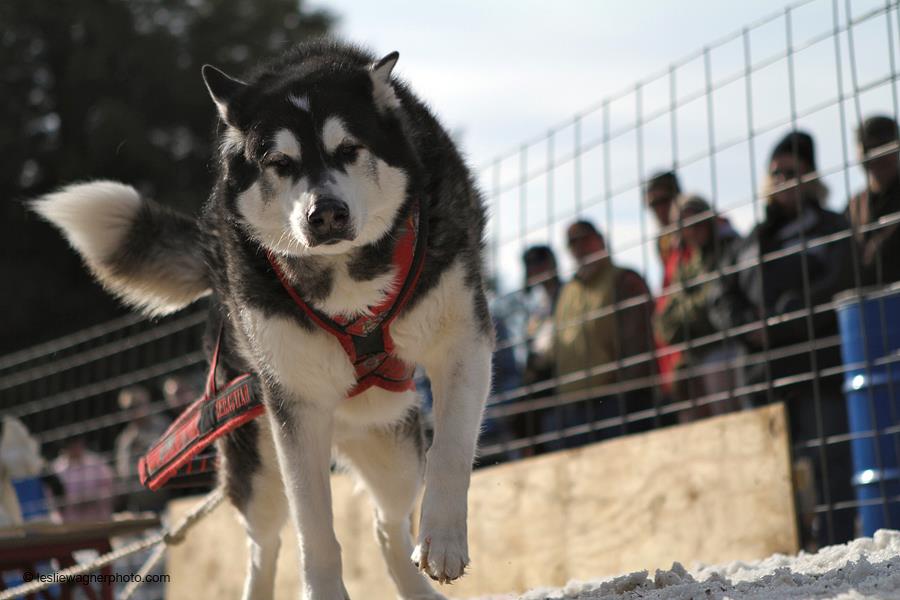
(602, 316)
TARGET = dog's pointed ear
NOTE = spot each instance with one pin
(222, 88)
(382, 90)
(382, 68)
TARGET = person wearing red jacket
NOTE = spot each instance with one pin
(660, 193)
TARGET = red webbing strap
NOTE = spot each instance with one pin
(416, 263)
(394, 374)
(342, 336)
(212, 416)
(210, 389)
(408, 263)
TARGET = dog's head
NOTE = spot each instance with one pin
(314, 154)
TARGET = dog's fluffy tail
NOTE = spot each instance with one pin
(147, 255)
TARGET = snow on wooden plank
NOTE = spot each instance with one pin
(714, 491)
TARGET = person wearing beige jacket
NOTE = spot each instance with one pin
(603, 315)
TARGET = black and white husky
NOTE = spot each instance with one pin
(322, 156)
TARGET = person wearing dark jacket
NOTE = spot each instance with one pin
(705, 366)
(783, 270)
(879, 245)
(541, 280)
(542, 286)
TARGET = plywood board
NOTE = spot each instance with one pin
(711, 491)
(716, 490)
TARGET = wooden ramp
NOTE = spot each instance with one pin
(712, 491)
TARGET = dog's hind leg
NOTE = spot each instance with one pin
(264, 517)
(391, 463)
(253, 483)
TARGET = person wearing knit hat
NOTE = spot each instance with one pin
(145, 425)
(692, 233)
(788, 186)
(799, 144)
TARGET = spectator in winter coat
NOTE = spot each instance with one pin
(592, 331)
(505, 377)
(705, 367)
(879, 248)
(660, 193)
(541, 279)
(542, 287)
(800, 273)
(87, 481)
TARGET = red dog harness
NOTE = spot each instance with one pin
(366, 340)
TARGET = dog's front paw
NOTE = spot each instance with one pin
(442, 554)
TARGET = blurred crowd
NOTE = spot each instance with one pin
(81, 484)
(739, 320)
(84, 485)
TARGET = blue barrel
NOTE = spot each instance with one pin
(870, 333)
(32, 501)
(34, 506)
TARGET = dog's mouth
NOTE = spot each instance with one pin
(330, 239)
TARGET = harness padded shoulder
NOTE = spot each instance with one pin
(206, 419)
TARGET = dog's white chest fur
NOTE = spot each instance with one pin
(313, 365)
(351, 298)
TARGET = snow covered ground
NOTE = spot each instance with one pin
(864, 568)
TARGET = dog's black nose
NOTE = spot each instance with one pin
(328, 216)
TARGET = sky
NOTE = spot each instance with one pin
(502, 73)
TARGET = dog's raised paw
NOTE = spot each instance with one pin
(443, 557)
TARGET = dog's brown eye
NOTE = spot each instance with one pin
(348, 149)
(278, 160)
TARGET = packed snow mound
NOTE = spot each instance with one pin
(863, 568)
